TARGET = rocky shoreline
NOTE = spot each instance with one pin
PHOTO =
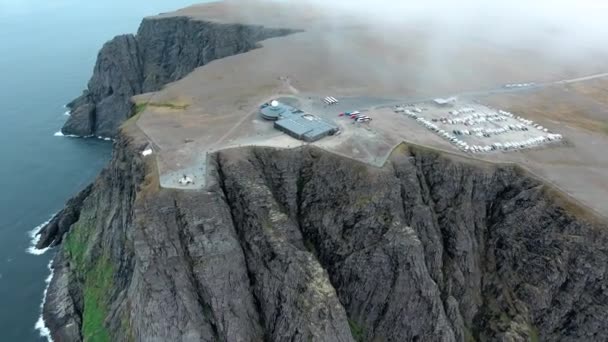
(305, 245)
(302, 244)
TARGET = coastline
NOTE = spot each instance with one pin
(40, 324)
(60, 134)
(34, 235)
(40, 172)
(430, 236)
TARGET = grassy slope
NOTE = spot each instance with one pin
(97, 275)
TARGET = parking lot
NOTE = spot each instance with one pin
(475, 128)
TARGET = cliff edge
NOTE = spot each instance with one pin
(305, 245)
(164, 50)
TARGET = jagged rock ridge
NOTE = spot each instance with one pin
(304, 245)
(164, 50)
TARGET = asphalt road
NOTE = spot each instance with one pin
(500, 90)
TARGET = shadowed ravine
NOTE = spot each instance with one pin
(304, 245)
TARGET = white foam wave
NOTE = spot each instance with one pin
(60, 134)
(35, 251)
(35, 237)
(68, 113)
(40, 325)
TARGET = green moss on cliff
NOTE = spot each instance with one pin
(357, 331)
(77, 241)
(534, 336)
(137, 110)
(96, 273)
(169, 105)
(96, 291)
(468, 335)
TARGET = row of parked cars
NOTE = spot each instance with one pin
(412, 110)
(524, 121)
(510, 146)
(487, 132)
(462, 111)
(472, 119)
(357, 116)
(527, 143)
(453, 137)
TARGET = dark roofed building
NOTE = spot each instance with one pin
(296, 123)
(275, 110)
(272, 113)
(305, 127)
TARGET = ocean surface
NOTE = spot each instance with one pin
(48, 50)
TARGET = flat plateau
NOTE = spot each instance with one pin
(370, 65)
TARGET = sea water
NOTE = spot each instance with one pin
(47, 53)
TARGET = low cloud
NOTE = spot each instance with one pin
(480, 38)
(577, 23)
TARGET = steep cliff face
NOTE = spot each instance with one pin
(303, 245)
(93, 259)
(164, 50)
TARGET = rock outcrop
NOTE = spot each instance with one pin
(164, 50)
(303, 245)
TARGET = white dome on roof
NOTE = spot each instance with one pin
(274, 103)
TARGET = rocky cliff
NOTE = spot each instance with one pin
(164, 50)
(303, 245)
